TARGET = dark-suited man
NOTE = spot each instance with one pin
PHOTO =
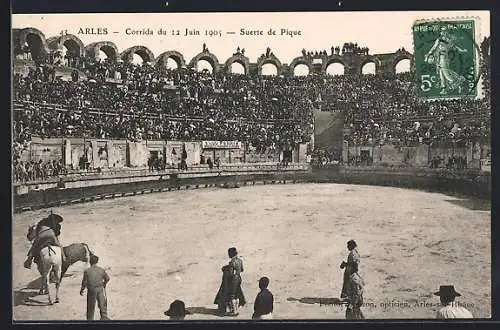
(95, 280)
(263, 306)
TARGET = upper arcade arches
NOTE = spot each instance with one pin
(370, 64)
(401, 61)
(31, 44)
(162, 59)
(108, 47)
(269, 69)
(145, 54)
(269, 59)
(207, 56)
(368, 68)
(301, 60)
(301, 70)
(33, 41)
(240, 59)
(332, 59)
(237, 68)
(335, 69)
(403, 65)
(72, 43)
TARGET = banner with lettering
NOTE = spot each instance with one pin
(221, 145)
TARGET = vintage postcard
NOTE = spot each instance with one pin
(251, 166)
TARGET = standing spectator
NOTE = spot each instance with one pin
(210, 163)
(95, 280)
(263, 306)
(184, 159)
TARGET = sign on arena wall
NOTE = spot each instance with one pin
(221, 145)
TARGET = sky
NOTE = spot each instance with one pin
(382, 32)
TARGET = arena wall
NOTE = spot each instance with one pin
(419, 156)
(474, 183)
(395, 156)
(45, 149)
(85, 189)
(103, 153)
(471, 182)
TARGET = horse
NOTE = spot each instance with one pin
(50, 267)
(74, 252)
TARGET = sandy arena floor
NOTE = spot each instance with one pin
(165, 246)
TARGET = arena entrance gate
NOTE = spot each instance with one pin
(287, 156)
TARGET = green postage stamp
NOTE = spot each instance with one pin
(446, 58)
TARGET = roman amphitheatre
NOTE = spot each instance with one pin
(286, 168)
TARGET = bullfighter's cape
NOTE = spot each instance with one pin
(223, 294)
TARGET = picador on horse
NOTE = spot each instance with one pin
(46, 234)
(52, 259)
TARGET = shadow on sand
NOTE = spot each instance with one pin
(473, 204)
(25, 295)
(204, 310)
(35, 284)
(317, 300)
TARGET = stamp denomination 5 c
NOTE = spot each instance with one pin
(446, 58)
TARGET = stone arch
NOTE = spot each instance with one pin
(365, 59)
(269, 59)
(333, 59)
(400, 55)
(70, 41)
(144, 52)
(207, 56)
(237, 58)
(173, 54)
(300, 60)
(108, 47)
(36, 42)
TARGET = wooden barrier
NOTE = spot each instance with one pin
(472, 182)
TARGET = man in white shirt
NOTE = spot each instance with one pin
(451, 309)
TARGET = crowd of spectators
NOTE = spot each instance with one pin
(37, 170)
(153, 103)
(348, 47)
(162, 104)
(203, 107)
(189, 105)
(380, 110)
